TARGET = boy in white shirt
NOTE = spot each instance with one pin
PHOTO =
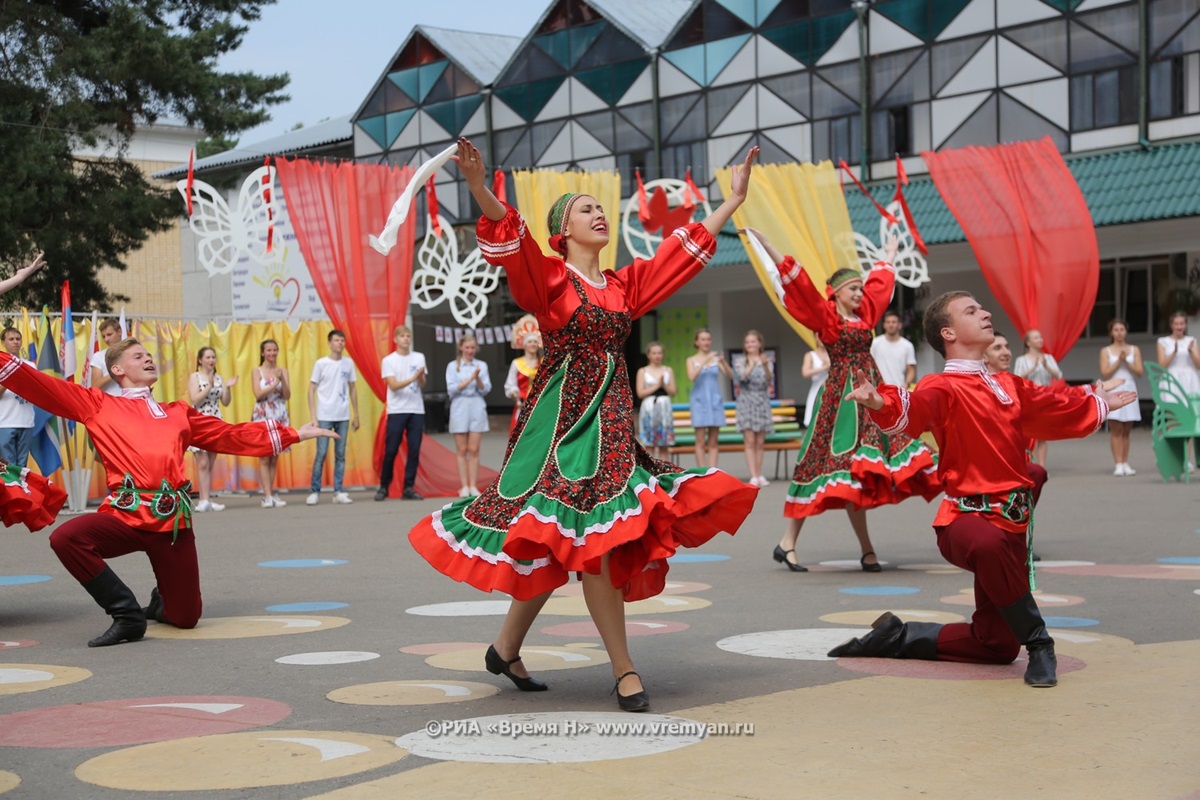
(404, 372)
(333, 402)
(16, 413)
(894, 355)
(110, 332)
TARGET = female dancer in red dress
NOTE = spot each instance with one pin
(844, 461)
(577, 492)
(525, 366)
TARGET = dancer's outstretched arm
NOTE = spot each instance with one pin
(21, 274)
(739, 185)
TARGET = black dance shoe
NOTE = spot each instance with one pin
(876, 567)
(780, 555)
(632, 702)
(498, 666)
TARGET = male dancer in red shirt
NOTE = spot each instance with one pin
(148, 509)
(981, 422)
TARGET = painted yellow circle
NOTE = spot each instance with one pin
(536, 658)
(660, 604)
(247, 627)
(19, 678)
(867, 617)
(245, 760)
(8, 781)
(411, 693)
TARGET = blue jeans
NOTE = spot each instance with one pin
(341, 427)
(14, 445)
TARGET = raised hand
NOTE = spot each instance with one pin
(232, 382)
(772, 251)
(739, 182)
(311, 430)
(864, 392)
(470, 162)
(890, 249)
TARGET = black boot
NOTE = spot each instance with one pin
(1028, 626)
(154, 611)
(891, 638)
(111, 594)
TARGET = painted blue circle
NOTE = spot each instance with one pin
(1070, 622)
(877, 590)
(293, 608)
(304, 562)
(1180, 560)
(695, 558)
(21, 580)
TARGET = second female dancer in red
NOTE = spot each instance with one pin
(845, 462)
(577, 492)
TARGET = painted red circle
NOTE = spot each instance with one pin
(950, 670)
(638, 627)
(16, 644)
(115, 723)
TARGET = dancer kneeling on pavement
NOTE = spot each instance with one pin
(577, 493)
(141, 443)
(981, 422)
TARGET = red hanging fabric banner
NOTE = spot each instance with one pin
(697, 198)
(332, 206)
(882, 211)
(1031, 231)
(500, 186)
(643, 203)
(901, 182)
(266, 195)
(434, 211)
(191, 179)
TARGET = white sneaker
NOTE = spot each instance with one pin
(215, 506)
(464, 492)
(763, 482)
(474, 492)
(313, 499)
(1119, 470)
(202, 506)
(1128, 469)
(342, 498)
(267, 502)
(275, 501)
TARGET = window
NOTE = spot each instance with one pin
(891, 133)
(1166, 88)
(837, 139)
(1132, 289)
(1104, 99)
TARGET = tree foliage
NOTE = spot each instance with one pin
(77, 75)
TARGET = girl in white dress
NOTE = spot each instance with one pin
(1121, 360)
(207, 393)
(467, 381)
(1040, 368)
(272, 390)
(655, 388)
(1180, 355)
(816, 366)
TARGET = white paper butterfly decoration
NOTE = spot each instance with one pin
(911, 268)
(226, 234)
(440, 277)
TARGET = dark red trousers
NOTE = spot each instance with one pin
(83, 543)
(997, 558)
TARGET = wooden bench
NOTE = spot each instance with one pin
(787, 436)
(1176, 419)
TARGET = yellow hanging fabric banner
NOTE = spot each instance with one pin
(801, 209)
(538, 189)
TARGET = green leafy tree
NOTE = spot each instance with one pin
(87, 73)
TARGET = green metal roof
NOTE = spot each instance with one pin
(1120, 187)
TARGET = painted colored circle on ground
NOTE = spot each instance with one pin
(247, 760)
(21, 678)
(880, 590)
(246, 627)
(300, 563)
(1170, 572)
(462, 608)
(433, 648)
(932, 569)
(1070, 622)
(842, 564)
(1044, 599)
(696, 558)
(1051, 564)
(1180, 560)
(910, 615)
(411, 693)
(304, 608)
(587, 629)
(951, 670)
(119, 723)
(575, 588)
(22, 580)
(810, 644)
(16, 644)
(326, 658)
(552, 737)
(659, 604)
(536, 658)
(9, 780)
